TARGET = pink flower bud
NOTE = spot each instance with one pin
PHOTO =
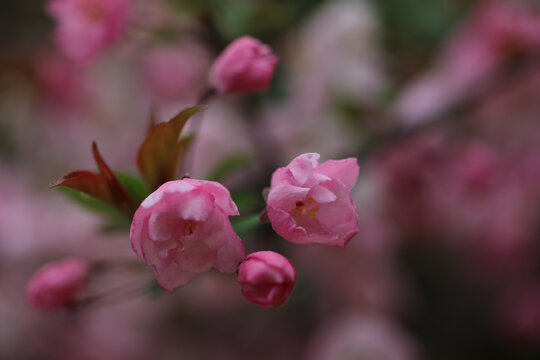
(267, 278)
(310, 203)
(245, 66)
(183, 229)
(57, 284)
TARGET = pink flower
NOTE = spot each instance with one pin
(267, 278)
(495, 32)
(353, 335)
(183, 229)
(312, 204)
(86, 27)
(61, 85)
(246, 66)
(57, 284)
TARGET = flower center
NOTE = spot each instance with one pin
(189, 228)
(308, 207)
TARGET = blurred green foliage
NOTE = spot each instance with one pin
(228, 165)
(413, 30)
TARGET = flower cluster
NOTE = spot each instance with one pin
(182, 228)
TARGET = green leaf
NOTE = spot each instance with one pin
(134, 185)
(90, 203)
(153, 289)
(161, 144)
(228, 165)
(246, 224)
(115, 225)
(248, 200)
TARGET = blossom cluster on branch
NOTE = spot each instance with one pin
(182, 228)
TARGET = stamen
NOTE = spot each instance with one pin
(190, 227)
(306, 208)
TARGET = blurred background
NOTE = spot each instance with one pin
(438, 99)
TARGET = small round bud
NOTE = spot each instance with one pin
(57, 284)
(267, 278)
(245, 66)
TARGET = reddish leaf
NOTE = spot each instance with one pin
(176, 156)
(119, 194)
(158, 154)
(104, 185)
(88, 182)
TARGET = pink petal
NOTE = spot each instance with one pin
(285, 196)
(221, 195)
(345, 170)
(195, 205)
(322, 195)
(230, 255)
(302, 167)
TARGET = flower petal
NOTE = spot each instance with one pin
(345, 170)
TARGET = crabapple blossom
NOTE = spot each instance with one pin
(245, 66)
(57, 284)
(310, 203)
(183, 229)
(87, 27)
(267, 278)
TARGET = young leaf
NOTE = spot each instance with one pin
(103, 186)
(119, 194)
(89, 202)
(134, 185)
(176, 156)
(87, 182)
(160, 148)
(246, 224)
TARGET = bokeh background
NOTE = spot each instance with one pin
(438, 99)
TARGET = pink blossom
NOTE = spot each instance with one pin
(312, 204)
(267, 278)
(183, 229)
(60, 85)
(245, 66)
(87, 27)
(57, 284)
(354, 335)
(494, 33)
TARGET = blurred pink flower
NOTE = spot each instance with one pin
(310, 203)
(409, 172)
(267, 278)
(245, 66)
(174, 73)
(183, 229)
(356, 336)
(493, 34)
(60, 85)
(57, 284)
(338, 45)
(87, 27)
